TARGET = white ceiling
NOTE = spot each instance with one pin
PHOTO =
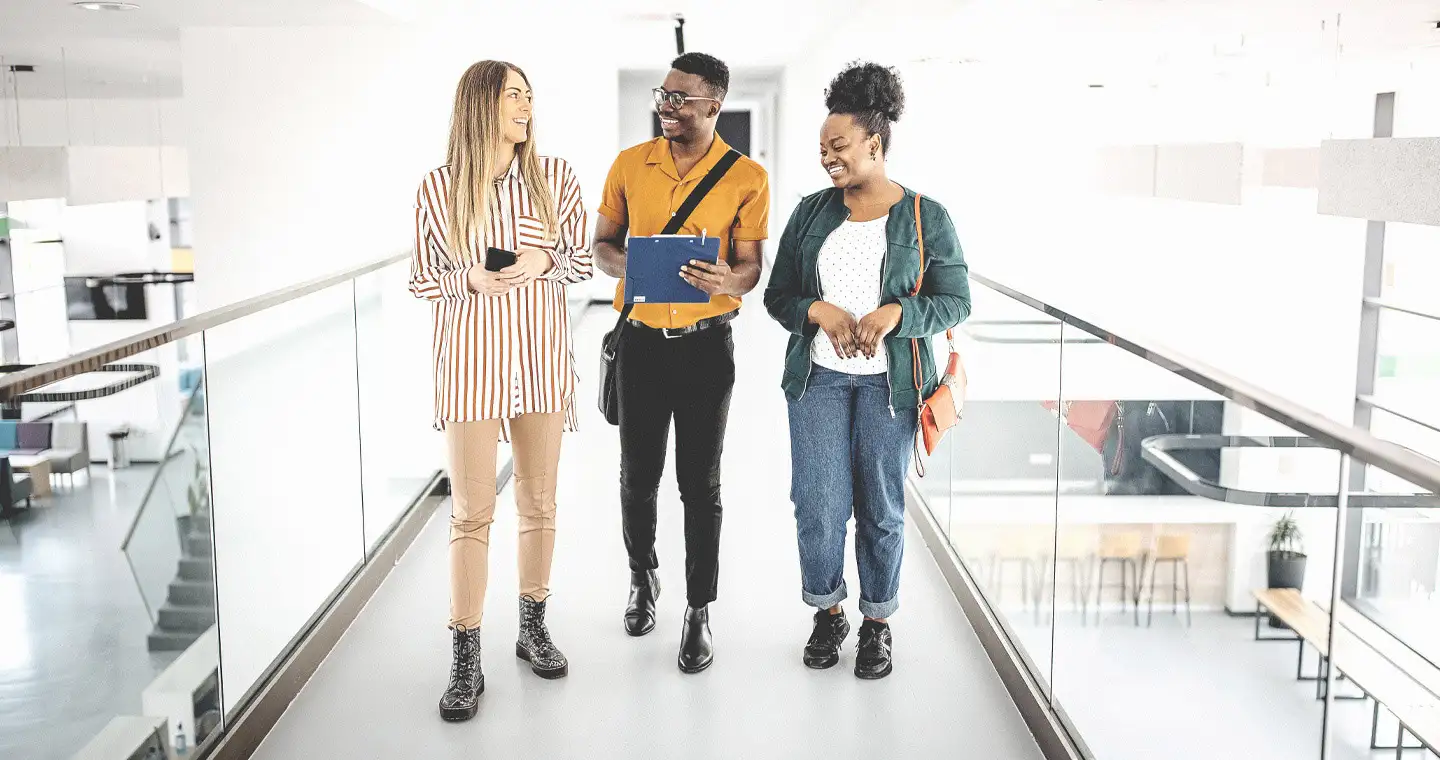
(133, 54)
(163, 19)
(88, 54)
(1153, 38)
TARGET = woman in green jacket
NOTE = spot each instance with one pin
(842, 282)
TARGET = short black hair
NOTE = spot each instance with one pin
(709, 68)
(872, 94)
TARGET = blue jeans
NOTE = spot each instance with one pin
(848, 454)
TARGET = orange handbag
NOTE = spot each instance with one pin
(943, 409)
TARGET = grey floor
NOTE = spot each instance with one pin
(72, 623)
(1194, 693)
(376, 694)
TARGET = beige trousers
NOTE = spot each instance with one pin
(535, 441)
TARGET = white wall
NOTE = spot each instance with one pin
(295, 161)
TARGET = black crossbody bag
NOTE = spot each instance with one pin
(610, 344)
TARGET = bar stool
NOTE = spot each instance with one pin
(1125, 550)
(1173, 549)
(1075, 551)
(975, 545)
(1015, 546)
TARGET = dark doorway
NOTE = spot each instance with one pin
(733, 126)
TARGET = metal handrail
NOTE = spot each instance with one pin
(1375, 403)
(1381, 303)
(969, 325)
(1362, 445)
(1159, 450)
(12, 386)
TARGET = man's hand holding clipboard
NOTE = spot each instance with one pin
(712, 279)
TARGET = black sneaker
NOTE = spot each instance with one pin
(872, 660)
(823, 649)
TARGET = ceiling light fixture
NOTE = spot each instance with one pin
(107, 5)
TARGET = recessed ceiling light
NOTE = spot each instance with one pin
(107, 5)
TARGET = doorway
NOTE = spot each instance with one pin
(734, 127)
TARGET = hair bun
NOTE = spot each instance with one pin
(867, 88)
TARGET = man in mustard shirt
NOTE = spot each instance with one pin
(676, 361)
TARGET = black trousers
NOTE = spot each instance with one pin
(689, 380)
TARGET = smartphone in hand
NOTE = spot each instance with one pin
(497, 259)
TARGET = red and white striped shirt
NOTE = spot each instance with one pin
(497, 357)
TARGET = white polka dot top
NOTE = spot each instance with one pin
(850, 262)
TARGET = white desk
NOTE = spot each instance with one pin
(119, 739)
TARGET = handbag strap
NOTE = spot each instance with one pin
(949, 334)
(915, 346)
(682, 215)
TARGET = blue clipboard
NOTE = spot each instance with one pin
(652, 268)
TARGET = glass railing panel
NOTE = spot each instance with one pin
(1005, 467)
(1167, 547)
(1408, 364)
(399, 448)
(1387, 637)
(285, 474)
(106, 578)
(1391, 591)
(172, 521)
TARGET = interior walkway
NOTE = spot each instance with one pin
(376, 694)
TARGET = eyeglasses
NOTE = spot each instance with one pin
(675, 99)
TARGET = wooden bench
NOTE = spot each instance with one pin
(1420, 670)
(1415, 707)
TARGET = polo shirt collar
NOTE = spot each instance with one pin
(660, 156)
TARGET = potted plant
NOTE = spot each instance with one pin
(1285, 561)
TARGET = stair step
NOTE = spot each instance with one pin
(171, 641)
(196, 569)
(192, 593)
(186, 618)
(199, 545)
(200, 524)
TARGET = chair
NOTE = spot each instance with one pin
(1075, 550)
(70, 449)
(13, 490)
(1173, 550)
(1018, 544)
(1125, 550)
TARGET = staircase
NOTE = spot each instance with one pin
(189, 608)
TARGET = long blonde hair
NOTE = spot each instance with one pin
(475, 128)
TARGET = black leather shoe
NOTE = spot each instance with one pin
(823, 649)
(462, 697)
(534, 645)
(640, 613)
(872, 660)
(697, 650)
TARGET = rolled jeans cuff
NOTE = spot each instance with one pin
(879, 610)
(825, 601)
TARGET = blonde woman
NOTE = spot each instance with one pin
(499, 232)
